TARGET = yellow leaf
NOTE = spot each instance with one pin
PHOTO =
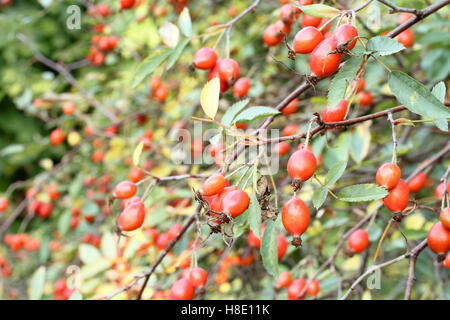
(137, 153)
(415, 221)
(169, 34)
(209, 98)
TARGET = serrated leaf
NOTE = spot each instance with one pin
(254, 216)
(384, 46)
(36, 286)
(439, 92)
(319, 196)
(416, 97)
(177, 53)
(362, 192)
(185, 23)
(269, 250)
(319, 10)
(335, 172)
(137, 153)
(342, 80)
(169, 34)
(88, 253)
(149, 65)
(254, 113)
(209, 97)
(233, 111)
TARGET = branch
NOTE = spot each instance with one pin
(412, 267)
(395, 9)
(415, 251)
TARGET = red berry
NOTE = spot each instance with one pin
(361, 85)
(198, 277)
(439, 238)
(216, 203)
(313, 288)
(56, 137)
(214, 73)
(102, 9)
(345, 33)
(358, 241)
(161, 93)
(388, 175)
(295, 288)
(235, 202)
(406, 38)
(288, 13)
(306, 40)
(132, 217)
(126, 4)
(45, 209)
(365, 98)
(338, 113)
(289, 130)
(398, 197)
(174, 230)
(282, 148)
(309, 21)
(416, 183)
(241, 87)
(213, 185)
(321, 62)
(447, 261)
(182, 290)
(445, 217)
(68, 108)
(253, 240)
(272, 35)
(163, 241)
(228, 70)
(125, 190)
(3, 204)
(295, 216)
(301, 165)
(205, 58)
(404, 16)
(135, 175)
(284, 280)
(291, 107)
(155, 83)
(440, 190)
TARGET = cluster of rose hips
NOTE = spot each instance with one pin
(159, 91)
(439, 236)
(223, 198)
(191, 279)
(295, 287)
(100, 45)
(388, 176)
(227, 70)
(92, 239)
(18, 241)
(133, 215)
(41, 208)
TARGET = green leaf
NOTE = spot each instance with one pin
(362, 192)
(233, 111)
(185, 23)
(384, 46)
(254, 215)
(360, 142)
(439, 92)
(76, 295)
(108, 245)
(177, 53)
(319, 196)
(158, 215)
(335, 172)
(150, 64)
(88, 253)
(254, 113)
(269, 250)
(36, 286)
(319, 10)
(342, 80)
(90, 208)
(64, 222)
(416, 97)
